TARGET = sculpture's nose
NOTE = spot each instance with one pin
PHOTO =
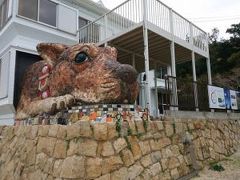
(124, 72)
(127, 73)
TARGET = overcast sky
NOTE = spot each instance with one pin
(206, 14)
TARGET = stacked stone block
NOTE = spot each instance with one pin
(142, 150)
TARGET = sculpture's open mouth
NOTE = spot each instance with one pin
(119, 91)
(109, 85)
(111, 91)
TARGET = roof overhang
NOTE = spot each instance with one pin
(131, 44)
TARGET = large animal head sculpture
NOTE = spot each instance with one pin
(80, 73)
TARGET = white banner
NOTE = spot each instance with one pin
(216, 97)
(233, 97)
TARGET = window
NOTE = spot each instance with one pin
(160, 73)
(82, 22)
(84, 32)
(28, 8)
(4, 13)
(46, 12)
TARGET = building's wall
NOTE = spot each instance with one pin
(150, 150)
(7, 84)
(7, 119)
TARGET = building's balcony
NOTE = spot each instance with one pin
(158, 17)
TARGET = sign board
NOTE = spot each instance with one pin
(238, 99)
(216, 97)
(227, 98)
(233, 98)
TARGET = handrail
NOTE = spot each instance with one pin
(180, 15)
(164, 4)
(130, 0)
(103, 15)
(130, 12)
(188, 21)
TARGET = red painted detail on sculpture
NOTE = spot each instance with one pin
(43, 85)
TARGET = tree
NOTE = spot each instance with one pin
(214, 36)
(235, 38)
(234, 30)
(225, 58)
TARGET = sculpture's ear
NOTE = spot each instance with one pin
(50, 52)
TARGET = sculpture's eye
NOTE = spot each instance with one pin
(81, 57)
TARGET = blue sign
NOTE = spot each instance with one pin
(227, 98)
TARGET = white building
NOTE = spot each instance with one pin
(24, 24)
(147, 33)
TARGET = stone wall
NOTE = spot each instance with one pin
(136, 150)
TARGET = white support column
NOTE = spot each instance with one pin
(146, 59)
(156, 90)
(146, 55)
(169, 70)
(194, 66)
(174, 80)
(134, 61)
(134, 65)
(209, 71)
(209, 66)
(195, 92)
(173, 59)
(172, 45)
(173, 64)
(209, 75)
(105, 29)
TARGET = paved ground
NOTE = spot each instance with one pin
(231, 172)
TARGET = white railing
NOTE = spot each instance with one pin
(130, 13)
(121, 18)
(200, 38)
(158, 14)
(181, 27)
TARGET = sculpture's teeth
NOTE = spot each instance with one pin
(108, 85)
